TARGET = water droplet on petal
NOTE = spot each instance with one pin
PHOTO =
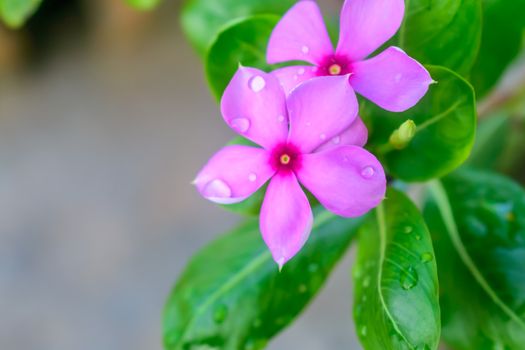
(322, 136)
(300, 71)
(336, 140)
(308, 124)
(426, 257)
(252, 177)
(240, 124)
(217, 189)
(220, 314)
(257, 83)
(281, 118)
(368, 172)
(295, 77)
(398, 77)
(305, 49)
(409, 278)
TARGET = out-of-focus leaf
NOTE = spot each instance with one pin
(477, 221)
(446, 126)
(244, 42)
(232, 296)
(491, 139)
(442, 32)
(15, 12)
(202, 20)
(143, 4)
(503, 28)
(396, 288)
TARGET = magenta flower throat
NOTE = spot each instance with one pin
(304, 141)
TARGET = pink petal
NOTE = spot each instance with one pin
(356, 134)
(254, 106)
(393, 80)
(286, 217)
(348, 180)
(319, 110)
(291, 77)
(366, 25)
(300, 36)
(234, 173)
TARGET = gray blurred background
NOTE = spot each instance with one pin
(105, 118)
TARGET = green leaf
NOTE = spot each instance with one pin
(143, 4)
(442, 32)
(244, 42)
(202, 20)
(15, 12)
(232, 296)
(491, 142)
(446, 126)
(396, 288)
(477, 220)
(501, 41)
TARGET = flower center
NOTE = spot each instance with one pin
(285, 159)
(334, 69)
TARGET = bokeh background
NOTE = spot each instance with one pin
(105, 118)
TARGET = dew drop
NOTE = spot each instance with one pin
(252, 177)
(281, 119)
(408, 229)
(220, 314)
(313, 268)
(367, 172)
(408, 278)
(426, 257)
(398, 77)
(300, 71)
(308, 124)
(240, 124)
(257, 83)
(366, 281)
(363, 330)
(336, 140)
(322, 136)
(295, 77)
(305, 49)
(302, 288)
(217, 189)
(418, 237)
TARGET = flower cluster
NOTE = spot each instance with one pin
(305, 120)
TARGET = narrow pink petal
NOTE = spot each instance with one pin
(348, 180)
(286, 217)
(254, 106)
(356, 134)
(393, 80)
(234, 173)
(366, 25)
(291, 77)
(319, 110)
(300, 36)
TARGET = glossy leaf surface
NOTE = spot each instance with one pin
(232, 296)
(395, 277)
(477, 220)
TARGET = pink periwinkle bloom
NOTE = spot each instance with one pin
(392, 80)
(301, 142)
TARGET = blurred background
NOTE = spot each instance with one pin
(105, 118)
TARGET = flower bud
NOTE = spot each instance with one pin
(403, 135)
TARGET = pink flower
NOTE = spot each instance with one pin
(392, 79)
(301, 143)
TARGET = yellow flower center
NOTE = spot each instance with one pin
(334, 69)
(285, 159)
